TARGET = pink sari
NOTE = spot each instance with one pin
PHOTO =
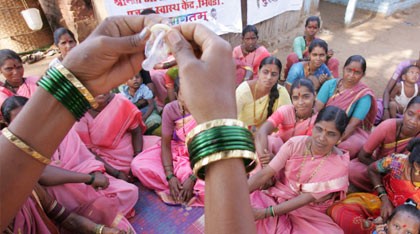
(284, 119)
(345, 100)
(119, 198)
(250, 61)
(380, 143)
(31, 219)
(330, 178)
(108, 134)
(147, 166)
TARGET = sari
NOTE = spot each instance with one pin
(249, 62)
(381, 143)
(352, 213)
(109, 133)
(320, 176)
(148, 168)
(254, 112)
(345, 100)
(118, 198)
(284, 120)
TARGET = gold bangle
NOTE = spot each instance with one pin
(24, 147)
(99, 228)
(82, 89)
(228, 154)
(211, 124)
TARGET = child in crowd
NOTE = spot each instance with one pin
(404, 91)
(404, 219)
(141, 96)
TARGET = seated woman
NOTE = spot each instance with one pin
(257, 99)
(165, 167)
(301, 44)
(41, 213)
(357, 99)
(289, 121)
(11, 67)
(114, 133)
(314, 68)
(65, 41)
(389, 137)
(140, 95)
(77, 180)
(312, 174)
(396, 178)
(248, 55)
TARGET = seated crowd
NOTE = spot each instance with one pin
(332, 157)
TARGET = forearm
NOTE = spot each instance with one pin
(137, 140)
(351, 127)
(260, 178)
(293, 204)
(230, 210)
(148, 112)
(365, 157)
(56, 176)
(48, 119)
(110, 170)
(261, 142)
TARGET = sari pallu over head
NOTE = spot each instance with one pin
(346, 99)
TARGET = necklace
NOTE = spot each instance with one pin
(308, 150)
(307, 128)
(255, 100)
(14, 88)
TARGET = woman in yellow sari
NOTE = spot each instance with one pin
(257, 99)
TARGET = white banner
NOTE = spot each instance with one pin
(260, 10)
(222, 16)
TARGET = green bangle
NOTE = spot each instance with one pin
(92, 179)
(169, 177)
(272, 211)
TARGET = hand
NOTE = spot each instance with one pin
(111, 54)
(266, 157)
(175, 188)
(201, 77)
(260, 213)
(386, 208)
(158, 66)
(187, 190)
(322, 78)
(122, 176)
(100, 181)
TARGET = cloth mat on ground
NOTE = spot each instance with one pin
(154, 216)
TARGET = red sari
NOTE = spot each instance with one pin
(351, 213)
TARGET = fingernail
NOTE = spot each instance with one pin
(143, 34)
(173, 37)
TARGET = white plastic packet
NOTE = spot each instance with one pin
(156, 50)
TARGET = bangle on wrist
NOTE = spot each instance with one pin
(99, 228)
(92, 179)
(170, 176)
(377, 186)
(272, 211)
(193, 178)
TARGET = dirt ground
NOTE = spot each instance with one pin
(383, 41)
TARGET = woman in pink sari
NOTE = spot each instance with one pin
(248, 55)
(77, 180)
(41, 213)
(389, 137)
(11, 67)
(165, 167)
(311, 174)
(354, 97)
(289, 120)
(113, 132)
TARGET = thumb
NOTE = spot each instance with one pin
(180, 48)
